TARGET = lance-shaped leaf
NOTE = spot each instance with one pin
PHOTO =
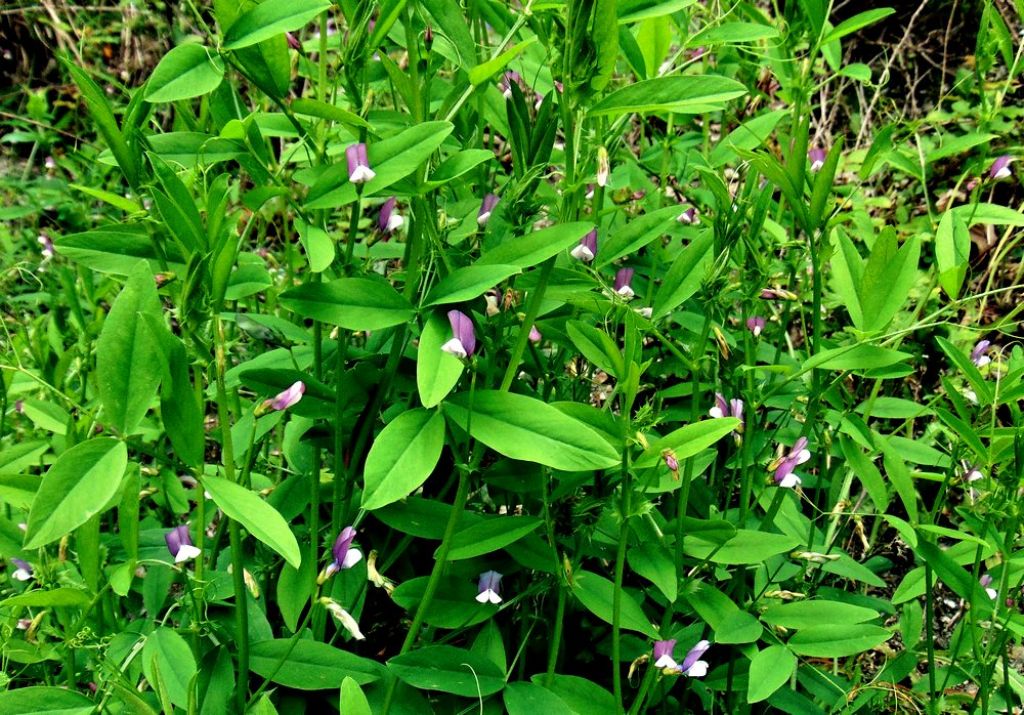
(166, 657)
(449, 670)
(186, 71)
(636, 234)
(437, 371)
(467, 283)
(402, 457)
(596, 593)
(952, 252)
(78, 486)
(269, 18)
(692, 94)
(257, 516)
(127, 355)
(352, 303)
(529, 429)
(536, 247)
(689, 440)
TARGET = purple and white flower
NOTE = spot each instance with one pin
(978, 356)
(359, 171)
(691, 666)
(47, 246)
(23, 570)
(755, 324)
(345, 557)
(817, 158)
(1000, 168)
(797, 455)
(487, 207)
(688, 216)
(463, 341)
(489, 587)
(179, 543)
(535, 336)
(285, 399)
(389, 220)
(586, 249)
(728, 408)
(986, 583)
(623, 278)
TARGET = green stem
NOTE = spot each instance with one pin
(620, 568)
(524, 333)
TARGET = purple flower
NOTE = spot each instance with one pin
(986, 583)
(535, 336)
(692, 665)
(506, 83)
(287, 398)
(1000, 168)
(179, 543)
(586, 249)
(47, 243)
(817, 158)
(622, 280)
(389, 220)
(728, 408)
(670, 461)
(777, 294)
(345, 557)
(971, 473)
(978, 356)
(784, 467)
(359, 171)
(755, 325)
(463, 341)
(486, 208)
(689, 216)
(489, 587)
(293, 41)
(24, 570)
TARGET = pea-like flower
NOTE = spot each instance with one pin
(463, 341)
(986, 583)
(47, 246)
(623, 278)
(345, 557)
(535, 336)
(755, 324)
(390, 220)
(978, 356)
(777, 294)
(489, 587)
(688, 216)
(285, 399)
(671, 461)
(359, 171)
(586, 249)
(179, 543)
(1000, 168)
(817, 158)
(23, 570)
(728, 408)
(346, 619)
(691, 666)
(487, 207)
(797, 455)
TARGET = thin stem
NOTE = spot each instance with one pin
(620, 568)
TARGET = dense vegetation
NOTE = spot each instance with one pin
(564, 357)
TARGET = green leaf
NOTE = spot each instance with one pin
(310, 665)
(529, 429)
(262, 520)
(536, 247)
(458, 164)
(732, 33)
(888, 277)
(583, 696)
(64, 597)
(116, 200)
(44, 699)
(837, 640)
(270, 18)
(322, 110)
(318, 245)
(635, 235)
(115, 249)
(454, 604)
(467, 283)
(691, 94)
(654, 562)
(596, 346)
(78, 486)
(992, 214)
(960, 581)
(437, 372)
(746, 547)
(490, 535)
(449, 670)
(484, 71)
(688, 441)
(685, 276)
(857, 22)
(746, 137)
(596, 593)
(353, 701)
(127, 355)
(186, 71)
(352, 303)
(402, 457)
(855, 357)
(770, 669)
(952, 252)
(730, 623)
(808, 614)
(391, 159)
(604, 35)
(167, 652)
(522, 698)
(866, 472)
